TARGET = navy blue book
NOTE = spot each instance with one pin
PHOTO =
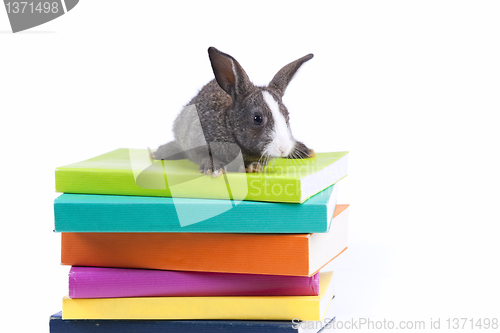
(58, 325)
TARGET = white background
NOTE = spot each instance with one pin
(410, 88)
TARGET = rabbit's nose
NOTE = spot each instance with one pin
(282, 150)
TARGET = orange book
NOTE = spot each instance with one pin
(274, 254)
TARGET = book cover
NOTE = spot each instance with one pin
(216, 307)
(58, 325)
(101, 282)
(132, 172)
(271, 254)
(119, 213)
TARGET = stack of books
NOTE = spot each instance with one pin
(156, 246)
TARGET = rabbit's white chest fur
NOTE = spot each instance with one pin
(282, 141)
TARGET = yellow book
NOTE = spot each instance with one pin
(232, 307)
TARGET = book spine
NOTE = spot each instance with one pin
(188, 308)
(122, 182)
(96, 282)
(58, 325)
(105, 213)
(270, 254)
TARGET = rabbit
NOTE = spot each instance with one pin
(235, 116)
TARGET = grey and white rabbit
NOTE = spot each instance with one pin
(233, 113)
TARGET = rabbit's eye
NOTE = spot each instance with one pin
(257, 120)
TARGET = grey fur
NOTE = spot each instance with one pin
(219, 122)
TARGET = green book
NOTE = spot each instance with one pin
(132, 172)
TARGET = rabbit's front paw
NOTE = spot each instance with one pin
(254, 167)
(214, 167)
(301, 151)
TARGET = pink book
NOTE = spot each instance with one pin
(97, 282)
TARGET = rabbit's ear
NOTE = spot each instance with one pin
(281, 80)
(229, 74)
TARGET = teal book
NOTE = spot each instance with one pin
(118, 213)
(133, 172)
